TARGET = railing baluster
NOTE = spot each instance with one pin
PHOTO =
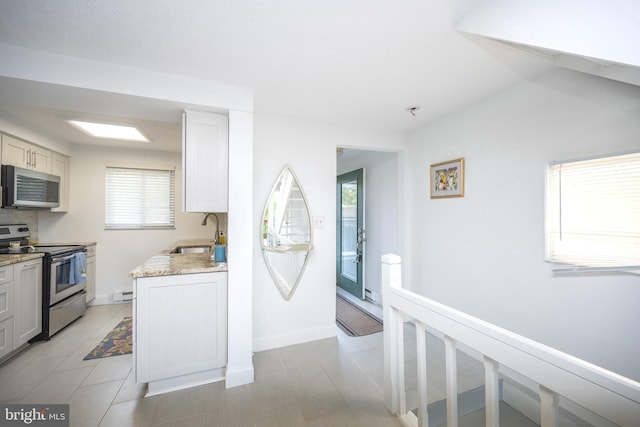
(399, 358)
(492, 392)
(452, 381)
(548, 407)
(421, 344)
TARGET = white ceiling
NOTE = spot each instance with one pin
(357, 63)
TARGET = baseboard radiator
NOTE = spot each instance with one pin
(122, 296)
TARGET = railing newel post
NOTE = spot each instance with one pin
(394, 384)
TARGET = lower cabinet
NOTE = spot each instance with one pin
(7, 310)
(28, 287)
(20, 304)
(180, 330)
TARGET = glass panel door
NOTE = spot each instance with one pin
(350, 232)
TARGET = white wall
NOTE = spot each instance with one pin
(483, 253)
(310, 148)
(381, 210)
(118, 251)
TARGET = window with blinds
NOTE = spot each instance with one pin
(139, 198)
(593, 212)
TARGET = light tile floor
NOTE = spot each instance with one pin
(332, 382)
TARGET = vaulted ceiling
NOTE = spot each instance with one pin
(357, 63)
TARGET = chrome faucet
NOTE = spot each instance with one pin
(204, 222)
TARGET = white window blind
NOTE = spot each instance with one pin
(593, 212)
(138, 198)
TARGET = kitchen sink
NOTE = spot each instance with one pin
(192, 249)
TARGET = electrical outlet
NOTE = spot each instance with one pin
(318, 222)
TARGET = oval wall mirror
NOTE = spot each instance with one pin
(286, 232)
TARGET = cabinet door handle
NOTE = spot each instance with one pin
(28, 158)
(31, 264)
(34, 159)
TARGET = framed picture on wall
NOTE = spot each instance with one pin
(447, 179)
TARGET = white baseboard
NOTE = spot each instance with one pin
(293, 338)
(185, 381)
(101, 300)
(237, 376)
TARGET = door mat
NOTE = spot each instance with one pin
(353, 320)
(116, 343)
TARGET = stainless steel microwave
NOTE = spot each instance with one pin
(25, 188)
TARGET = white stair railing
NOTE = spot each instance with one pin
(609, 395)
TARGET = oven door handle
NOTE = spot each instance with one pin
(57, 260)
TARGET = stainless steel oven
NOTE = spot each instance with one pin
(65, 277)
(64, 285)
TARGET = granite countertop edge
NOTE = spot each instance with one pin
(67, 244)
(167, 263)
(8, 259)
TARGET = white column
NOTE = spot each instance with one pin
(492, 392)
(240, 244)
(452, 381)
(421, 344)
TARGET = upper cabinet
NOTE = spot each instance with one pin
(23, 154)
(17, 152)
(60, 167)
(205, 162)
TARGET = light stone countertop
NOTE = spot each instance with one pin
(8, 259)
(67, 244)
(170, 264)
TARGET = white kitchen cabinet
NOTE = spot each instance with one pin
(180, 330)
(23, 154)
(7, 310)
(20, 304)
(91, 273)
(205, 162)
(60, 167)
(28, 301)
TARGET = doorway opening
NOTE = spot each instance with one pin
(367, 223)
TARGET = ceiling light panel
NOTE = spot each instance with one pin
(104, 130)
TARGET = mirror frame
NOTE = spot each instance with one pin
(266, 250)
